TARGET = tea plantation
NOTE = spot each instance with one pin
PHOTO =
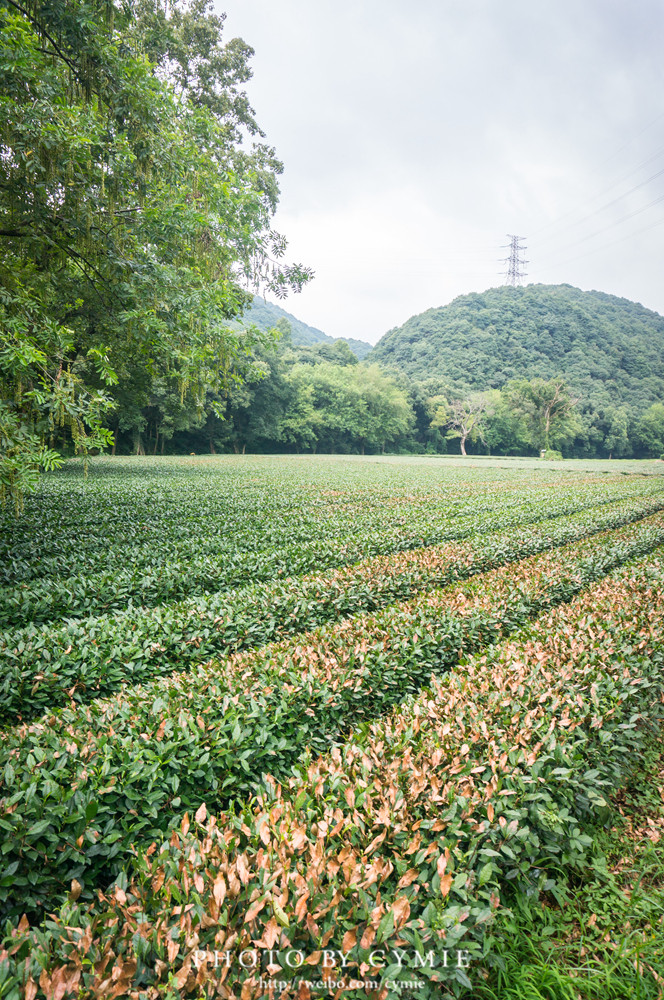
(306, 726)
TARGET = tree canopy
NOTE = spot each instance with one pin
(319, 397)
(136, 199)
(610, 350)
(292, 398)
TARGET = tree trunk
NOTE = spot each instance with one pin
(462, 441)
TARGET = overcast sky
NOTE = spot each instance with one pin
(416, 136)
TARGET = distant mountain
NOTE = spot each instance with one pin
(265, 315)
(610, 350)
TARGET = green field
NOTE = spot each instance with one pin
(376, 711)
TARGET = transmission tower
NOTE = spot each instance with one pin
(515, 262)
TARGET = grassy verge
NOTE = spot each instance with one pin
(602, 938)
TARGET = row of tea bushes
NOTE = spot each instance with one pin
(77, 527)
(75, 662)
(390, 852)
(80, 787)
(71, 514)
(161, 566)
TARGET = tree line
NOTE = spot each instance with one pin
(320, 398)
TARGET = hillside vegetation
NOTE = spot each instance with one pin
(267, 315)
(610, 350)
(508, 372)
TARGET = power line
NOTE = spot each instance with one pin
(625, 176)
(605, 229)
(608, 204)
(606, 246)
(638, 134)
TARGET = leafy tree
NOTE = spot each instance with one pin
(548, 409)
(650, 431)
(388, 416)
(339, 409)
(506, 432)
(288, 399)
(424, 436)
(616, 440)
(296, 426)
(249, 414)
(134, 210)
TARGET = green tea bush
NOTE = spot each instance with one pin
(53, 666)
(402, 838)
(140, 538)
(79, 788)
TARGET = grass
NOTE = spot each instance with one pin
(603, 937)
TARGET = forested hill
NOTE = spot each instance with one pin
(609, 350)
(265, 315)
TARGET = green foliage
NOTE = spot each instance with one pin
(616, 439)
(267, 315)
(81, 660)
(283, 407)
(547, 409)
(650, 430)
(428, 761)
(23, 456)
(212, 733)
(311, 398)
(145, 557)
(600, 936)
(315, 411)
(356, 406)
(610, 350)
(527, 415)
(402, 833)
(465, 418)
(134, 210)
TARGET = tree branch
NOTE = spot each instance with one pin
(42, 30)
